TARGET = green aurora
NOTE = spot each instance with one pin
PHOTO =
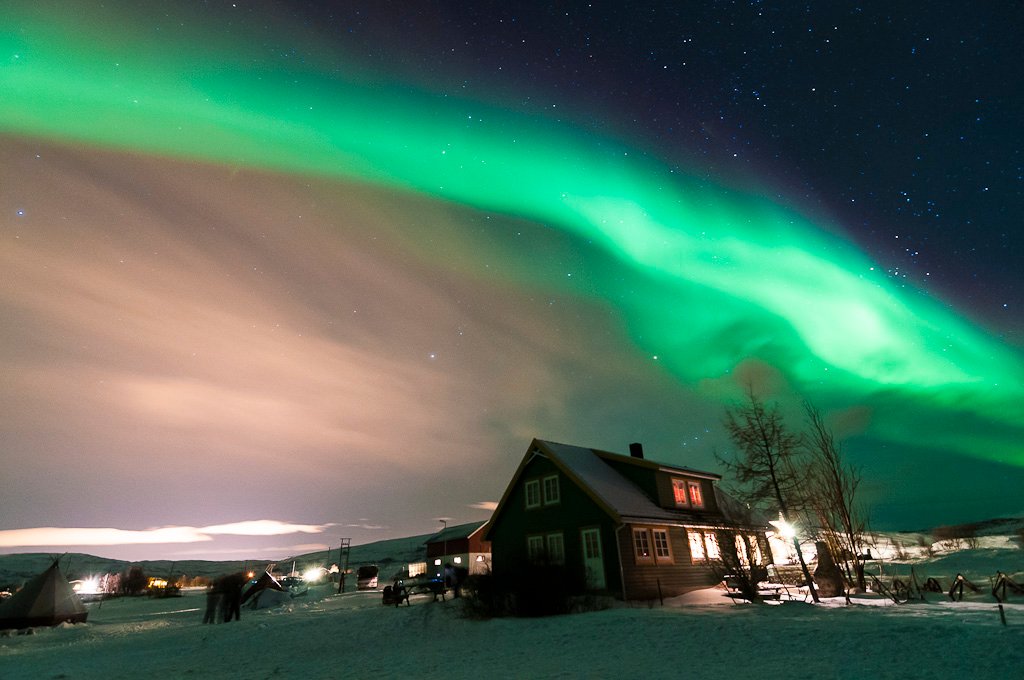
(713, 277)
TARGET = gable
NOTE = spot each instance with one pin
(538, 462)
(625, 489)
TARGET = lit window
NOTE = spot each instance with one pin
(556, 548)
(679, 492)
(551, 490)
(712, 541)
(755, 548)
(437, 562)
(641, 544)
(697, 553)
(662, 551)
(535, 548)
(741, 550)
(533, 494)
(696, 497)
(457, 560)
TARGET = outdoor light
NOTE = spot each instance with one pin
(786, 530)
(312, 574)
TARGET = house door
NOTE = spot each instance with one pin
(593, 559)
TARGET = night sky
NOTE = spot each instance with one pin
(278, 273)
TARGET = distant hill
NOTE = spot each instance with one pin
(390, 555)
(990, 527)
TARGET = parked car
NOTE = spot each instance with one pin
(366, 577)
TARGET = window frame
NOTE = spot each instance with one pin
(680, 490)
(534, 486)
(535, 547)
(713, 549)
(644, 534)
(690, 486)
(667, 558)
(696, 540)
(555, 556)
(648, 536)
(757, 557)
(742, 550)
(556, 497)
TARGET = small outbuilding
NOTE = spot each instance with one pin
(462, 545)
(623, 525)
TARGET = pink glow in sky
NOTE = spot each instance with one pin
(189, 346)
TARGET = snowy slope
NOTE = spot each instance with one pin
(18, 568)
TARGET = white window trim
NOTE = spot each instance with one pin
(711, 546)
(555, 498)
(679, 481)
(535, 484)
(689, 493)
(741, 551)
(552, 538)
(696, 540)
(755, 546)
(642, 559)
(535, 547)
(662, 559)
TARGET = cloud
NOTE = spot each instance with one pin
(68, 536)
(485, 505)
(265, 527)
(362, 526)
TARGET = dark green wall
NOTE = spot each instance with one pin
(575, 511)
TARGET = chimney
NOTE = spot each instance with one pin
(636, 449)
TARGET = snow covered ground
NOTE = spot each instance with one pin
(700, 635)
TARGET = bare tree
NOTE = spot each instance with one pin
(832, 497)
(766, 466)
(744, 575)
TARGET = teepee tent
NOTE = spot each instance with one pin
(46, 600)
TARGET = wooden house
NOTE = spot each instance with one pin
(620, 524)
(462, 546)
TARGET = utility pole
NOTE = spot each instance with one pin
(444, 541)
(343, 552)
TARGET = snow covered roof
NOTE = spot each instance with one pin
(454, 533)
(615, 493)
(618, 495)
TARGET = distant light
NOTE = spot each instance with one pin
(89, 586)
(437, 562)
(313, 574)
(457, 560)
